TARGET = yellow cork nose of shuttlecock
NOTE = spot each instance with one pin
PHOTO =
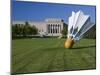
(69, 43)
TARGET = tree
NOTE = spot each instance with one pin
(13, 31)
(23, 30)
(34, 30)
(26, 29)
(64, 31)
(91, 33)
(29, 30)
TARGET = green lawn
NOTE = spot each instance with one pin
(48, 54)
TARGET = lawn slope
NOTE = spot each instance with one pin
(48, 54)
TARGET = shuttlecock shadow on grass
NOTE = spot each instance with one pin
(83, 47)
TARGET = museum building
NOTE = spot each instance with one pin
(49, 27)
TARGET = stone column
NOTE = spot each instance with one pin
(50, 28)
(54, 28)
(59, 28)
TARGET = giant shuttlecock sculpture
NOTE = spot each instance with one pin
(78, 25)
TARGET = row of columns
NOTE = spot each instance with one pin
(52, 28)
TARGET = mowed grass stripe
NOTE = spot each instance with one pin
(43, 63)
(30, 50)
(30, 43)
(58, 63)
(25, 57)
(26, 61)
(77, 61)
(87, 52)
(40, 64)
(72, 61)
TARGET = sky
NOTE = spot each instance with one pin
(39, 11)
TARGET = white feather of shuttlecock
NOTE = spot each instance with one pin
(78, 25)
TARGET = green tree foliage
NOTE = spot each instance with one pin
(23, 30)
(17, 29)
(33, 30)
(64, 31)
(26, 29)
(91, 33)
